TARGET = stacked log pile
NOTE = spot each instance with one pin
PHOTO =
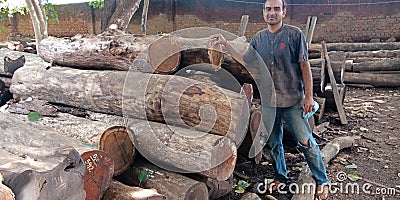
(370, 64)
(199, 125)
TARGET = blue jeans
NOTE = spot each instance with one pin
(301, 131)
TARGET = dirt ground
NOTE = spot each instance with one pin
(373, 114)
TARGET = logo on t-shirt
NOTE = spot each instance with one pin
(282, 46)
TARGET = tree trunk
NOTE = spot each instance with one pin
(162, 98)
(120, 191)
(374, 54)
(362, 46)
(377, 80)
(123, 13)
(184, 150)
(35, 18)
(384, 65)
(170, 184)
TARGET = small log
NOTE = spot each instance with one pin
(305, 179)
(218, 189)
(116, 142)
(374, 54)
(379, 65)
(368, 59)
(5, 192)
(119, 191)
(163, 98)
(167, 183)
(377, 80)
(184, 150)
(363, 46)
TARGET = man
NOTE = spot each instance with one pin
(284, 51)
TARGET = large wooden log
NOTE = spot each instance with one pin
(374, 54)
(184, 150)
(377, 80)
(120, 191)
(170, 184)
(96, 52)
(163, 53)
(379, 65)
(363, 46)
(162, 98)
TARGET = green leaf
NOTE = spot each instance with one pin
(142, 176)
(240, 190)
(33, 116)
(352, 166)
(269, 181)
(264, 163)
(353, 177)
(242, 184)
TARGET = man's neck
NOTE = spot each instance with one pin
(274, 28)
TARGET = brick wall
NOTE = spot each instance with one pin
(338, 20)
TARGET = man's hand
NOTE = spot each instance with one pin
(307, 104)
(218, 39)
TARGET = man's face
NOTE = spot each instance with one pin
(273, 12)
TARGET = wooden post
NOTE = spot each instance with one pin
(311, 31)
(144, 16)
(243, 25)
(336, 95)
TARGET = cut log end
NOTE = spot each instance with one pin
(164, 55)
(116, 142)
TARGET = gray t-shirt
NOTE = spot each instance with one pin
(282, 53)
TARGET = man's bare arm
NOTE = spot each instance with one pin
(308, 102)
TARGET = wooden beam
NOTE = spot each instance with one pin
(336, 94)
(243, 25)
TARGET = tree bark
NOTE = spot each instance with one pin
(384, 65)
(120, 191)
(144, 16)
(162, 98)
(123, 13)
(377, 80)
(35, 18)
(185, 151)
(167, 183)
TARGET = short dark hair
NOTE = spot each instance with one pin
(283, 3)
